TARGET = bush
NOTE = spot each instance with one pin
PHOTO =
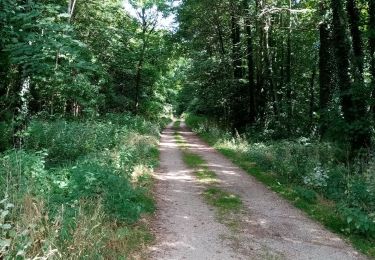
(22, 172)
(67, 141)
(69, 169)
(121, 200)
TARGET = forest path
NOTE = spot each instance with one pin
(268, 227)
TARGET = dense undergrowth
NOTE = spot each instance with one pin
(311, 174)
(78, 189)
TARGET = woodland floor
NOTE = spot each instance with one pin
(266, 226)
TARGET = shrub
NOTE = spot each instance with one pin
(22, 172)
(70, 169)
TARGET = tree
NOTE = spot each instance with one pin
(354, 110)
(325, 71)
(371, 44)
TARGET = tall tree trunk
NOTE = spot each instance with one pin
(238, 98)
(357, 44)
(220, 33)
(260, 96)
(288, 80)
(325, 73)
(236, 43)
(269, 66)
(250, 66)
(371, 44)
(312, 96)
(354, 114)
(71, 7)
(138, 77)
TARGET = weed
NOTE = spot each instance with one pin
(206, 175)
(192, 160)
(179, 140)
(224, 201)
(176, 125)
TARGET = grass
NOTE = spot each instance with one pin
(322, 210)
(79, 189)
(205, 175)
(179, 140)
(192, 160)
(201, 170)
(176, 124)
(222, 200)
(228, 208)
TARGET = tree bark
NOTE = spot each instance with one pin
(325, 73)
(312, 96)
(250, 66)
(354, 114)
(236, 43)
(288, 68)
(371, 44)
(357, 43)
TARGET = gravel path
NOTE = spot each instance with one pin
(270, 228)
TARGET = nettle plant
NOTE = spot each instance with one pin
(317, 178)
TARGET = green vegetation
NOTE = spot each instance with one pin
(193, 160)
(84, 93)
(180, 140)
(205, 175)
(224, 201)
(176, 125)
(309, 175)
(284, 88)
(196, 162)
(78, 188)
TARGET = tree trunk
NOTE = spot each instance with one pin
(312, 97)
(354, 22)
(288, 80)
(325, 73)
(260, 97)
(138, 77)
(220, 34)
(354, 114)
(236, 43)
(371, 44)
(269, 66)
(250, 67)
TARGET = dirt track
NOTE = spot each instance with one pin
(270, 228)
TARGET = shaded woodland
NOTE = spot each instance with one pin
(87, 86)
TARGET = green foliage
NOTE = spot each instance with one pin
(69, 169)
(66, 141)
(305, 194)
(6, 136)
(121, 201)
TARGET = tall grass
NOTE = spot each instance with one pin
(78, 189)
